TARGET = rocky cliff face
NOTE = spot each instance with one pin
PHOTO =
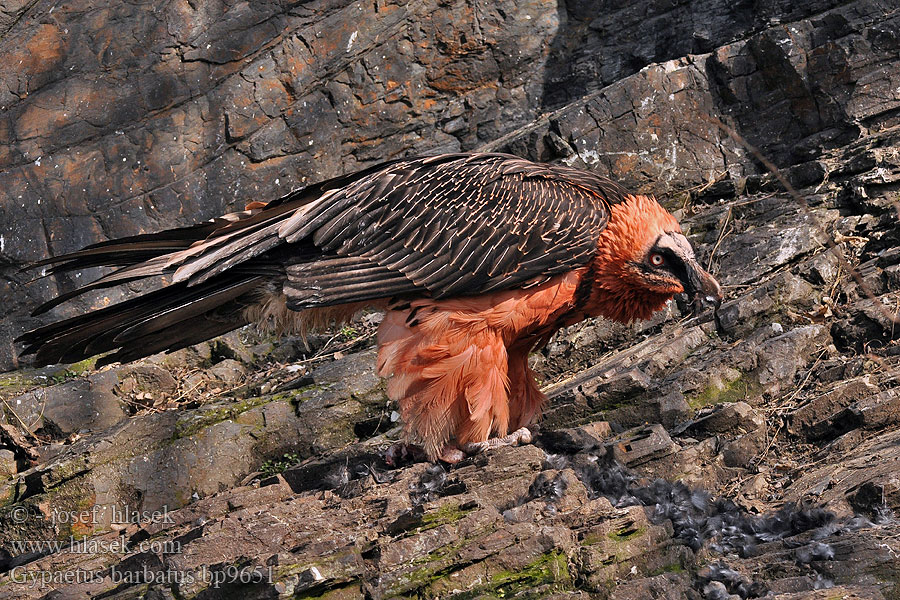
(127, 118)
(124, 118)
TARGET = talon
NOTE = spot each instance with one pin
(451, 454)
(523, 435)
(517, 437)
(473, 448)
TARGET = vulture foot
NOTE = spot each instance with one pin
(517, 437)
(402, 453)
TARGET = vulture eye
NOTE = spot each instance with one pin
(657, 260)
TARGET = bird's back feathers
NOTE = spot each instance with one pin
(440, 226)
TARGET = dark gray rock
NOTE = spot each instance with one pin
(82, 404)
(744, 450)
(781, 357)
(8, 465)
(724, 418)
(228, 371)
(640, 445)
(815, 418)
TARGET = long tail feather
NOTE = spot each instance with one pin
(169, 315)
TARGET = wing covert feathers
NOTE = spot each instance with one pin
(439, 226)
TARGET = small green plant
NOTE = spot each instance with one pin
(349, 333)
(74, 370)
(275, 466)
(61, 376)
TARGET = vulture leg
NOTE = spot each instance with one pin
(448, 374)
(525, 397)
(525, 402)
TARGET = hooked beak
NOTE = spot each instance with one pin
(701, 287)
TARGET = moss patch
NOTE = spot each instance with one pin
(16, 383)
(735, 390)
(204, 419)
(626, 534)
(300, 395)
(547, 574)
(444, 515)
(621, 535)
(549, 569)
(73, 500)
(673, 568)
(80, 368)
(619, 401)
(64, 471)
(330, 564)
(436, 565)
(448, 513)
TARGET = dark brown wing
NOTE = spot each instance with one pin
(456, 224)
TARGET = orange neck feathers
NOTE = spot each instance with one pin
(618, 292)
